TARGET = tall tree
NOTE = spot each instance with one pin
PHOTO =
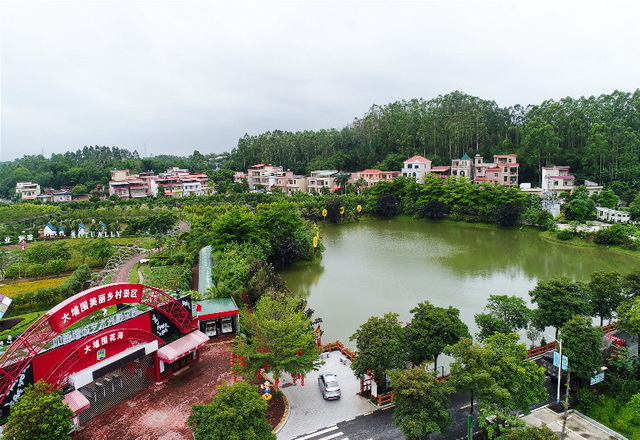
(522, 379)
(380, 347)
(629, 317)
(431, 329)
(39, 413)
(277, 337)
(631, 284)
(506, 314)
(582, 344)
(606, 293)
(421, 402)
(558, 300)
(236, 413)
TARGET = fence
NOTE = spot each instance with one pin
(387, 398)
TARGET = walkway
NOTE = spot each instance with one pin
(309, 412)
(578, 426)
(122, 274)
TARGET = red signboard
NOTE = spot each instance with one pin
(106, 338)
(72, 310)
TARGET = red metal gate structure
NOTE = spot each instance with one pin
(19, 354)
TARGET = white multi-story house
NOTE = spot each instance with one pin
(556, 180)
(416, 166)
(27, 190)
(320, 179)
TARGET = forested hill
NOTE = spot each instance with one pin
(599, 137)
(91, 166)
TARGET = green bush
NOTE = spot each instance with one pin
(564, 234)
(586, 399)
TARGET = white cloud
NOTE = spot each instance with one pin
(182, 75)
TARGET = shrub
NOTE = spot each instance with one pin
(564, 234)
(586, 399)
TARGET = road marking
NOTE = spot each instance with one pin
(324, 431)
(329, 437)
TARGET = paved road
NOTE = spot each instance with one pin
(309, 412)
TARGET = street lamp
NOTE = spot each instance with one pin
(559, 367)
(442, 368)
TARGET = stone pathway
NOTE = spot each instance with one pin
(309, 412)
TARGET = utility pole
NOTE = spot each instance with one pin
(566, 405)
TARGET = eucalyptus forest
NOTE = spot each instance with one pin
(598, 137)
(253, 234)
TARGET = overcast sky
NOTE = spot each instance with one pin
(168, 77)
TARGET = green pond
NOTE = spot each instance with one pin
(373, 267)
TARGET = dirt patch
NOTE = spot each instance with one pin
(161, 411)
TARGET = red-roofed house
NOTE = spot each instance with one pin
(557, 180)
(416, 166)
(371, 177)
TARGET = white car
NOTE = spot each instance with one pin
(329, 387)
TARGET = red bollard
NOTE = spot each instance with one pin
(231, 358)
(277, 382)
(302, 379)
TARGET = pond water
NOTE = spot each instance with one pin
(373, 267)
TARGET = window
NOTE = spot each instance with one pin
(505, 178)
(408, 165)
(210, 328)
(227, 325)
(555, 183)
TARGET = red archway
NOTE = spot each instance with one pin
(58, 373)
(19, 354)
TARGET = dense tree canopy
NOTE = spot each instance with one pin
(582, 344)
(431, 329)
(596, 136)
(558, 300)
(421, 402)
(380, 346)
(277, 337)
(505, 314)
(39, 413)
(236, 413)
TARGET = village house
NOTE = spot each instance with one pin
(556, 180)
(27, 190)
(416, 166)
(502, 171)
(175, 181)
(371, 177)
(322, 179)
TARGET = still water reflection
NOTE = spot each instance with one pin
(378, 266)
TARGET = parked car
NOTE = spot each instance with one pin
(329, 387)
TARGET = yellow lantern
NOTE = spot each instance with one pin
(359, 208)
(315, 241)
(324, 212)
(342, 210)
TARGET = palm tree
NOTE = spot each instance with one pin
(341, 180)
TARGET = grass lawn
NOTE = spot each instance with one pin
(162, 277)
(613, 413)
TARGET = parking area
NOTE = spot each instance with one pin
(308, 411)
